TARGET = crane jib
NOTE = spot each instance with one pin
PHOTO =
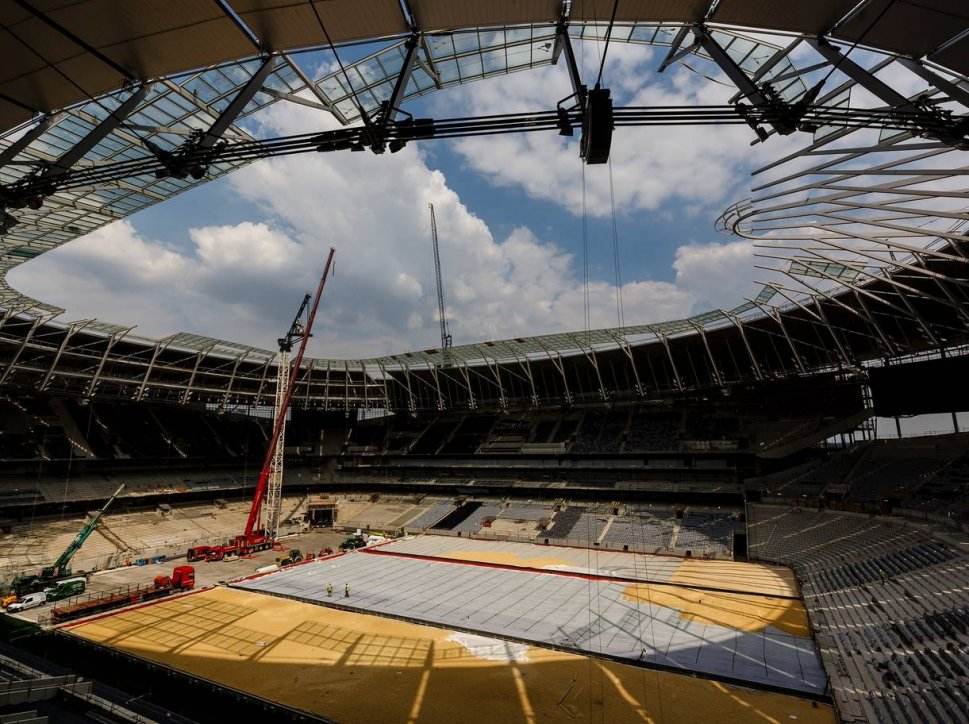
(260, 492)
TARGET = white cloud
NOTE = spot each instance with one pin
(243, 281)
(651, 167)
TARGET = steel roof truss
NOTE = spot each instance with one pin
(20, 350)
(556, 359)
(778, 319)
(311, 86)
(717, 377)
(900, 289)
(955, 92)
(92, 384)
(628, 352)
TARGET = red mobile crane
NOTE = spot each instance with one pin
(256, 538)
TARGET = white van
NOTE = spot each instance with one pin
(29, 601)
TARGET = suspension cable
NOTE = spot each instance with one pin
(346, 76)
(620, 314)
(854, 45)
(605, 48)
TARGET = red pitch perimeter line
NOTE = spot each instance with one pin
(574, 574)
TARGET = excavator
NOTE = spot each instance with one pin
(257, 537)
(61, 567)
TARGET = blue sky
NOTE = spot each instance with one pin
(231, 258)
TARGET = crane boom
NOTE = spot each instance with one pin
(283, 405)
(445, 334)
(61, 565)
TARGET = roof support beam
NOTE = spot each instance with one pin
(243, 28)
(861, 76)
(778, 318)
(376, 129)
(437, 386)
(590, 354)
(23, 345)
(69, 332)
(232, 379)
(527, 369)
(750, 91)
(262, 382)
(193, 157)
(411, 400)
(955, 92)
(14, 149)
(494, 366)
(49, 175)
(563, 46)
(900, 292)
(92, 384)
(676, 53)
(555, 357)
(63, 164)
(677, 380)
(200, 355)
(717, 377)
(311, 86)
(754, 364)
(159, 346)
(627, 350)
(326, 386)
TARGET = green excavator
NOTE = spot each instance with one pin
(61, 568)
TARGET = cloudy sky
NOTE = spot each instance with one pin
(527, 231)
(522, 224)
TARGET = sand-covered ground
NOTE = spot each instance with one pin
(361, 668)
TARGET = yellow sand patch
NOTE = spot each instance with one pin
(504, 559)
(360, 668)
(741, 577)
(733, 610)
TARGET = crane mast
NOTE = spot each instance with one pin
(274, 485)
(284, 394)
(445, 334)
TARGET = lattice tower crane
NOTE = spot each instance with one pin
(270, 483)
(274, 485)
(445, 333)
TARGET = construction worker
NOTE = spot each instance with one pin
(883, 576)
(329, 590)
(346, 590)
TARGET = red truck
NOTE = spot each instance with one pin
(241, 545)
(182, 579)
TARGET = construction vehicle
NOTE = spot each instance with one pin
(269, 487)
(66, 588)
(326, 551)
(353, 542)
(61, 567)
(182, 579)
(295, 555)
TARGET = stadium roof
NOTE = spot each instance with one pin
(842, 216)
(55, 55)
